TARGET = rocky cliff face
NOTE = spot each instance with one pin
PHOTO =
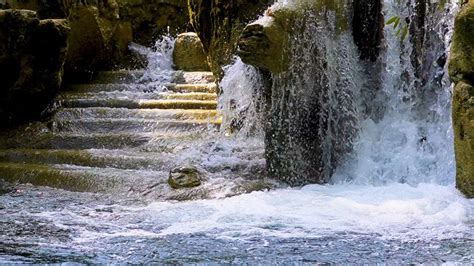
(102, 30)
(461, 70)
(32, 54)
(219, 25)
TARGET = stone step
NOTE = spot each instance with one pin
(126, 125)
(116, 113)
(128, 95)
(135, 76)
(80, 179)
(183, 88)
(140, 104)
(73, 141)
(98, 158)
(143, 88)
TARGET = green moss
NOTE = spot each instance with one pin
(463, 124)
(461, 64)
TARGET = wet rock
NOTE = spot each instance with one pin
(463, 124)
(188, 54)
(461, 70)
(461, 63)
(367, 27)
(185, 177)
(5, 188)
(219, 24)
(264, 44)
(32, 54)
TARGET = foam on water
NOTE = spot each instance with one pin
(160, 61)
(425, 212)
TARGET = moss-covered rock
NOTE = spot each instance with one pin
(461, 63)
(188, 54)
(461, 70)
(463, 123)
(32, 54)
(264, 43)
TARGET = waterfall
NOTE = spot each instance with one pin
(241, 101)
(334, 117)
(412, 142)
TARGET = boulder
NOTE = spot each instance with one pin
(184, 177)
(32, 54)
(188, 54)
(264, 43)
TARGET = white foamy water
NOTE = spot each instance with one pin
(160, 61)
(425, 212)
(241, 100)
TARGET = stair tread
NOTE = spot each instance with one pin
(105, 112)
(141, 104)
(100, 158)
(134, 76)
(79, 178)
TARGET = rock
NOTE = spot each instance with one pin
(185, 177)
(32, 54)
(461, 71)
(188, 54)
(463, 124)
(152, 18)
(367, 27)
(219, 24)
(461, 63)
(98, 40)
(5, 188)
(264, 43)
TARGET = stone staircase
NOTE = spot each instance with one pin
(114, 134)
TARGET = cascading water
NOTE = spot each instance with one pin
(392, 199)
(412, 142)
(160, 61)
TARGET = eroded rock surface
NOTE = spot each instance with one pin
(32, 55)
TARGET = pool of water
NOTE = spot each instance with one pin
(314, 224)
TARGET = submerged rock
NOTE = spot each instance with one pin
(188, 54)
(32, 55)
(185, 177)
(461, 70)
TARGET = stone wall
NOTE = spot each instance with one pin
(461, 70)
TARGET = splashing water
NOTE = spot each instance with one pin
(160, 62)
(392, 201)
(413, 141)
(241, 101)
